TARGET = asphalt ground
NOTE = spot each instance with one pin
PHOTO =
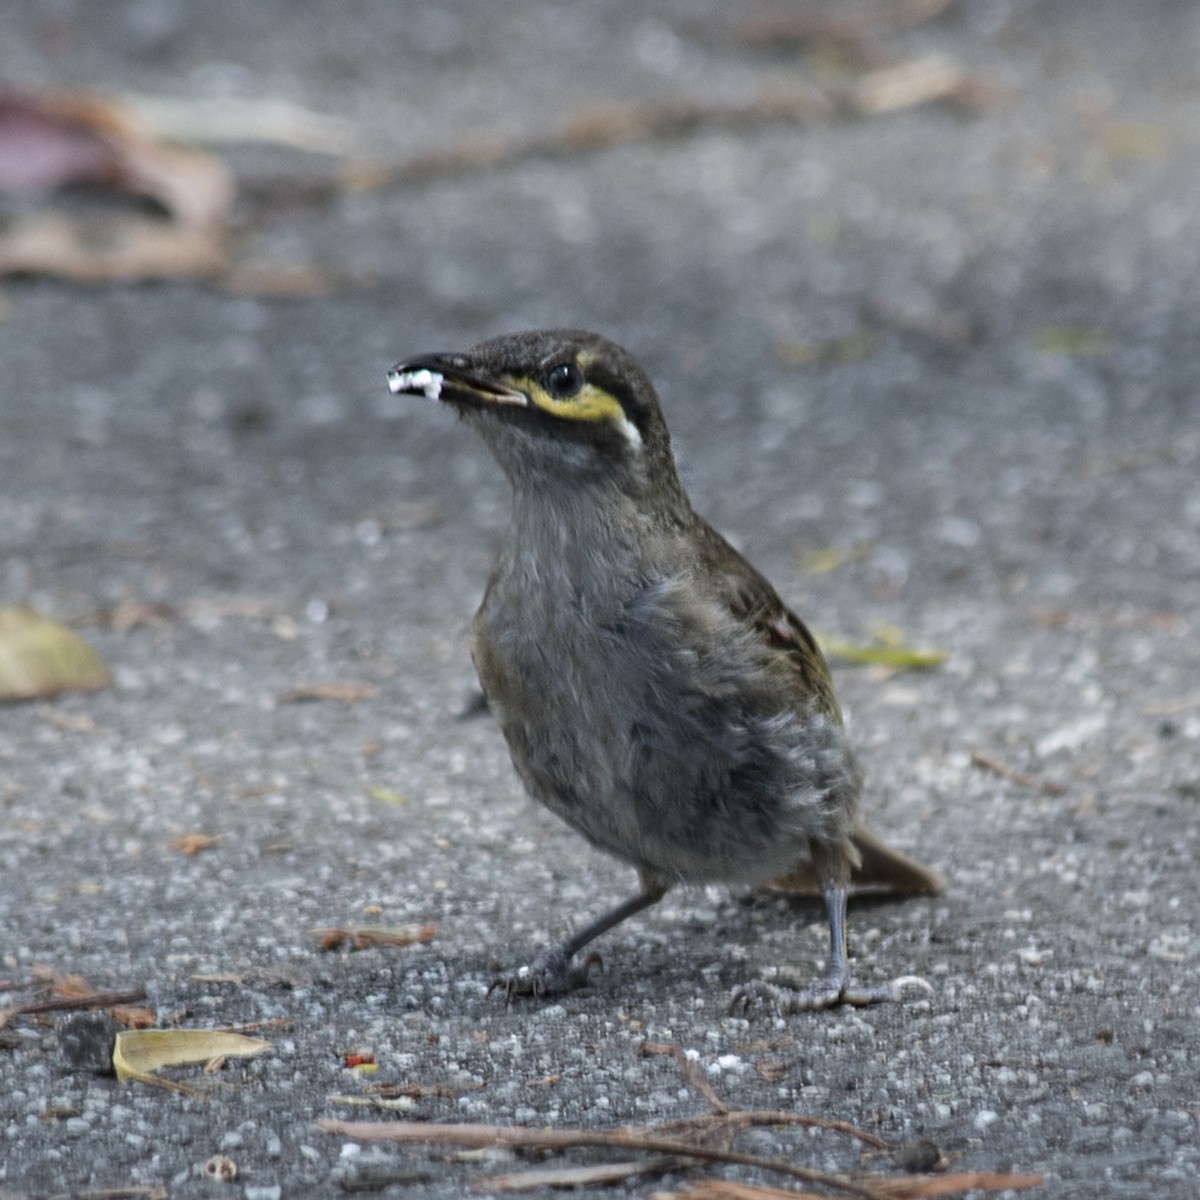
(952, 348)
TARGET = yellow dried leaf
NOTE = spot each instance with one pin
(1072, 341)
(836, 351)
(138, 1053)
(896, 657)
(386, 795)
(40, 658)
(821, 559)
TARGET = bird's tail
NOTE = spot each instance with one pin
(878, 868)
(888, 870)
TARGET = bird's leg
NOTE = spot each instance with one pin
(835, 986)
(554, 971)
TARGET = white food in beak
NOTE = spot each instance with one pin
(429, 382)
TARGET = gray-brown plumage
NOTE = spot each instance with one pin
(653, 689)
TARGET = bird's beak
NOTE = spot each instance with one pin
(449, 377)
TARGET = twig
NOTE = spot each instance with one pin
(70, 1003)
(902, 85)
(153, 1192)
(1021, 778)
(737, 1120)
(574, 1177)
(962, 1181)
(730, 1121)
(688, 1068)
(483, 1137)
(896, 1188)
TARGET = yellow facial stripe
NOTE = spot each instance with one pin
(590, 403)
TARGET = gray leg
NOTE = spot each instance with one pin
(554, 972)
(834, 987)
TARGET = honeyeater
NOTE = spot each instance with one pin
(653, 689)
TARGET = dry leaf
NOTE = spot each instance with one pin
(240, 119)
(821, 559)
(105, 249)
(836, 351)
(44, 146)
(40, 658)
(894, 657)
(64, 987)
(129, 614)
(907, 84)
(730, 1189)
(360, 937)
(190, 844)
(1072, 341)
(386, 795)
(346, 693)
(74, 723)
(137, 1054)
(578, 1177)
(50, 139)
(132, 1016)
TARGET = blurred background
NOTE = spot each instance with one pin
(917, 282)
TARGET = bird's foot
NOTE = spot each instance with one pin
(829, 992)
(550, 974)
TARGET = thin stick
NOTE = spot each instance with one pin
(482, 1137)
(1021, 778)
(66, 1004)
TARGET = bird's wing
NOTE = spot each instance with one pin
(752, 600)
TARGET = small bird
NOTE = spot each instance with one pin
(653, 689)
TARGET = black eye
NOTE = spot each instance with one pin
(564, 380)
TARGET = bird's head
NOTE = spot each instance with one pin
(558, 406)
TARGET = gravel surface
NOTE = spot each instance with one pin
(958, 346)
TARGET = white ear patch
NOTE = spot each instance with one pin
(412, 382)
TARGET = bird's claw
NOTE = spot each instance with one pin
(827, 993)
(550, 974)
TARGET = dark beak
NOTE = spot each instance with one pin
(449, 377)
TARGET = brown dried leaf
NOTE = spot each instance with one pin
(771, 1069)
(729, 1189)
(63, 987)
(212, 119)
(108, 249)
(344, 692)
(190, 844)
(49, 139)
(577, 1177)
(129, 614)
(907, 84)
(361, 937)
(43, 145)
(71, 722)
(52, 138)
(132, 1016)
(40, 658)
(953, 1185)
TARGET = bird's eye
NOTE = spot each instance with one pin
(564, 380)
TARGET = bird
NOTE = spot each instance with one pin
(653, 689)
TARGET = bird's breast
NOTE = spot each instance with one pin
(652, 727)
